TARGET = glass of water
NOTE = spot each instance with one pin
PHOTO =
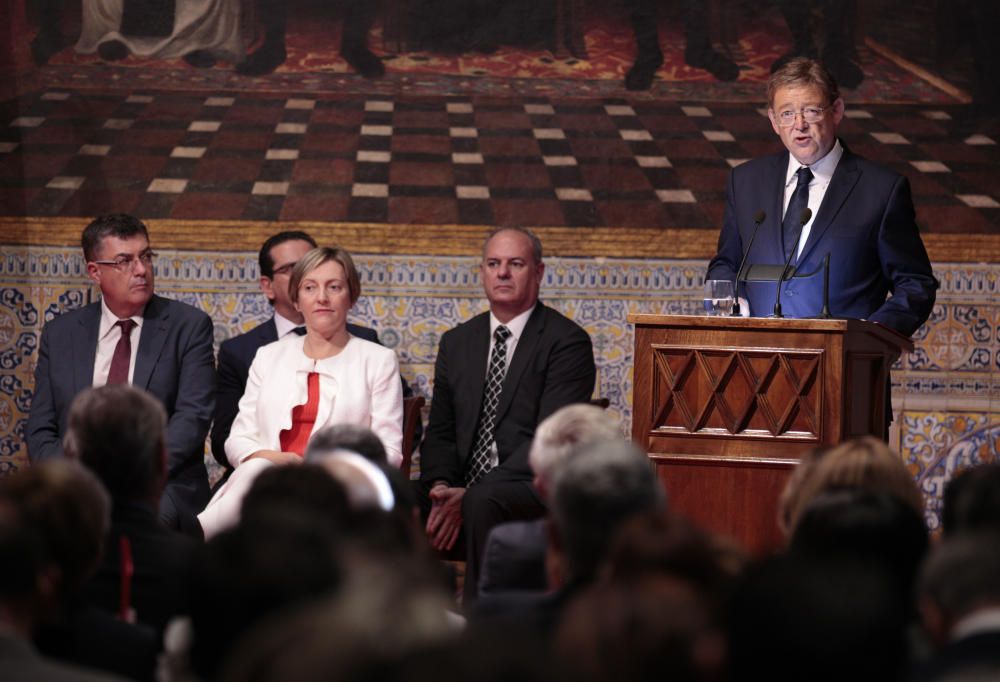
(719, 297)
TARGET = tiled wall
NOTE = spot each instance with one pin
(946, 395)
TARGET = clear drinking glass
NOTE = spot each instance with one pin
(719, 297)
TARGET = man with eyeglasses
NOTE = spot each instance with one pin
(131, 336)
(818, 199)
(278, 255)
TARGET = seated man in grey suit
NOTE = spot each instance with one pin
(514, 558)
(496, 377)
(277, 257)
(131, 336)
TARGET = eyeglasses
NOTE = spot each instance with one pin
(122, 263)
(786, 119)
(285, 269)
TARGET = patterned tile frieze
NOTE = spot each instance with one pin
(946, 395)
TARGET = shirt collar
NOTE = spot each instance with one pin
(283, 325)
(109, 320)
(822, 170)
(516, 325)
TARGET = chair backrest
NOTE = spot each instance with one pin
(412, 415)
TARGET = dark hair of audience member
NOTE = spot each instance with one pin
(251, 572)
(594, 492)
(120, 225)
(264, 259)
(972, 500)
(305, 493)
(960, 576)
(71, 512)
(665, 544)
(799, 618)
(353, 437)
(118, 432)
(22, 563)
(656, 627)
(875, 529)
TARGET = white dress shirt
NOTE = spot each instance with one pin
(284, 325)
(107, 339)
(822, 172)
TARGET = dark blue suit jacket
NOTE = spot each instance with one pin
(235, 357)
(174, 363)
(866, 224)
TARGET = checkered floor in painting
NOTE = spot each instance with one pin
(445, 160)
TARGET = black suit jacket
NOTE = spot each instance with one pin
(865, 223)
(235, 357)
(553, 366)
(514, 558)
(161, 562)
(174, 362)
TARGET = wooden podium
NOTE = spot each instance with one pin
(725, 406)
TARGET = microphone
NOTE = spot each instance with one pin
(825, 313)
(758, 218)
(803, 219)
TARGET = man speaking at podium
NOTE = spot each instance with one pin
(818, 199)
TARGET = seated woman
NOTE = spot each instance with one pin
(300, 384)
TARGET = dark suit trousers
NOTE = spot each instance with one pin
(497, 498)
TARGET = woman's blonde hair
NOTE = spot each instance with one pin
(866, 463)
(315, 258)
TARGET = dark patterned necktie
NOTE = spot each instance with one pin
(301, 331)
(482, 446)
(791, 230)
(122, 357)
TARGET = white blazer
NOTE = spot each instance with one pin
(360, 385)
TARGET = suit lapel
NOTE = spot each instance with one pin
(85, 352)
(523, 353)
(777, 209)
(151, 340)
(268, 332)
(845, 177)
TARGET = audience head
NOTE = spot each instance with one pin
(25, 586)
(366, 484)
(119, 433)
(512, 271)
(594, 493)
(353, 437)
(795, 618)
(306, 494)
(278, 257)
(249, 573)
(563, 432)
(960, 578)
(972, 500)
(67, 507)
(874, 529)
(662, 543)
(120, 261)
(865, 463)
(652, 629)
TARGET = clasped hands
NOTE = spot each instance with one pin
(444, 523)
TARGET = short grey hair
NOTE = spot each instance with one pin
(594, 494)
(536, 243)
(566, 430)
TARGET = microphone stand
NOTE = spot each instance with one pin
(757, 220)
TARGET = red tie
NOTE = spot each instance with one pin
(123, 354)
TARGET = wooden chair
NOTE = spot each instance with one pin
(412, 414)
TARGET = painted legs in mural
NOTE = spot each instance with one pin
(359, 15)
(698, 52)
(838, 54)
